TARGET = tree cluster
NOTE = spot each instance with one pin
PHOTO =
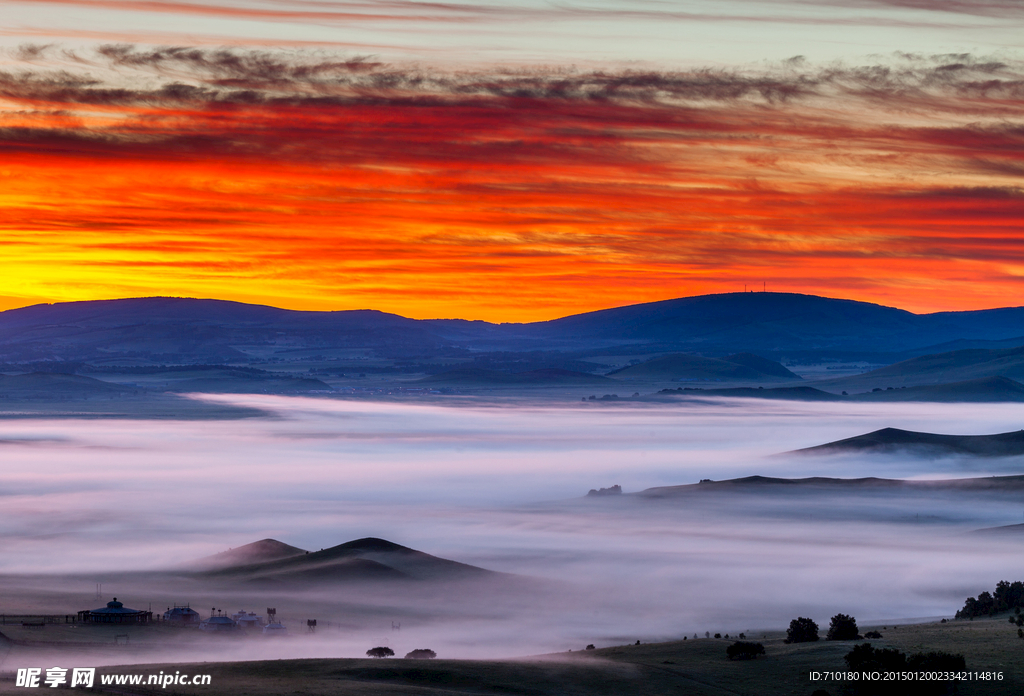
(421, 654)
(744, 650)
(803, 630)
(1008, 595)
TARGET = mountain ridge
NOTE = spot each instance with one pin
(187, 330)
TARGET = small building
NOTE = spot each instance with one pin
(218, 623)
(182, 615)
(247, 620)
(275, 629)
(115, 613)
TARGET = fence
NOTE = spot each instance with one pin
(36, 619)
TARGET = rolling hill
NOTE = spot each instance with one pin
(362, 560)
(889, 440)
(954, 366)
(263, 551)
(985, 390)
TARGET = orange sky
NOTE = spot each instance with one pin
(311, 182)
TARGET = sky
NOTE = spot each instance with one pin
(511, 161)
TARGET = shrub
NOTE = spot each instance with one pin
(744, 650)
(801, 630)
(874, 635)
(718, 635)
(843, 627)
(380, 651)
(590, 647)
(937, 661)
(866, 658)
(421, 654)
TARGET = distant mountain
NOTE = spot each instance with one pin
(774, 322)
(765, 484)
(167, 330)
(889, 440)
(180, 330)
(682, 367)
(363, 560)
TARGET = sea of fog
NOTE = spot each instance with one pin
(500, 486)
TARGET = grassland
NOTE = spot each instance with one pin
(694, 667)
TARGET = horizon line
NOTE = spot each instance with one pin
(487, 321)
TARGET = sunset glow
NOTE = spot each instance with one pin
(311, 178)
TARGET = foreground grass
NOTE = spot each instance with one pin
(693, 667)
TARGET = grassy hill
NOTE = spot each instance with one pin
(367, 559)
(958, 365)
(262, 551)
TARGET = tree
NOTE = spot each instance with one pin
(843, 627)
(380, 651)
(801, 630)
(421, 654)
(744, 650)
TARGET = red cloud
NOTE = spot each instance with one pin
(327, 177)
